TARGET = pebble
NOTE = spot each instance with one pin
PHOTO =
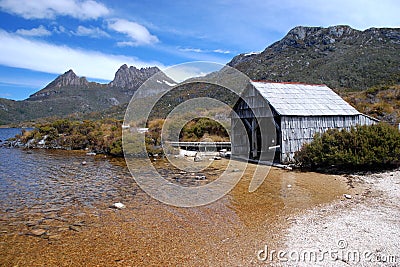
(51, 210)
(84, 163)
(37, 232)
(54, 237)
(347, 196)
(74, 228)
(118, 205)
(79, 224)
(200, 177)
(31, 223)
(289, 186)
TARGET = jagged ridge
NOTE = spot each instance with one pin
(131, 77)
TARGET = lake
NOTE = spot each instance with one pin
(55, 211)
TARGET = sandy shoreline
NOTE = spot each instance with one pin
(361, 231)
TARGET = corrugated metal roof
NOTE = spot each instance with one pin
(304, 99)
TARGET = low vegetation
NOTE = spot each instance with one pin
(382, 102)
(363, 147)
(204, 129)
(105, 136)
(99, 136)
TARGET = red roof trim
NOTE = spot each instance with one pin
(266, 81)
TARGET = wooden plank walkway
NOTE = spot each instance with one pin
(201, 146)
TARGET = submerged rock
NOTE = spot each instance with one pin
(37, 232)
(31, 223)
(286, 167)
(54, 237)
(75, 228)
(118, 205)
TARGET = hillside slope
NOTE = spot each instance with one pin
(338, 56)
(381, 102)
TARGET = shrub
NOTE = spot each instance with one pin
(63, 126)
(199, 128)
(49, 131)
(371, 147)
(116, 148)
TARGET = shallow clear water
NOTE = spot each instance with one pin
(55, 179)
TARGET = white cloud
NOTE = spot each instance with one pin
(198, 50)
(11, 81)
(39, 31)
(220, 51)
(93, 32)
(5, 95)
(126, 43)
(138, 34)
(41, 56)
(49, 9)
(59, 29)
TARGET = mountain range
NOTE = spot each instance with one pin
(69, 94)
(343, 58)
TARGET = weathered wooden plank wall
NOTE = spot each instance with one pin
(297, 131)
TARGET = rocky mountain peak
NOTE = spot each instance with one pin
(69, 78)
(304, 33)
(132, 77)
(302, 36)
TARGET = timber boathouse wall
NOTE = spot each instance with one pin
(281, 117)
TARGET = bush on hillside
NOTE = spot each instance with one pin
(363, 147)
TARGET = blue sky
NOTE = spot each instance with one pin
(40, 39)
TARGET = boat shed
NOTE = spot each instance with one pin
(278, 118)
